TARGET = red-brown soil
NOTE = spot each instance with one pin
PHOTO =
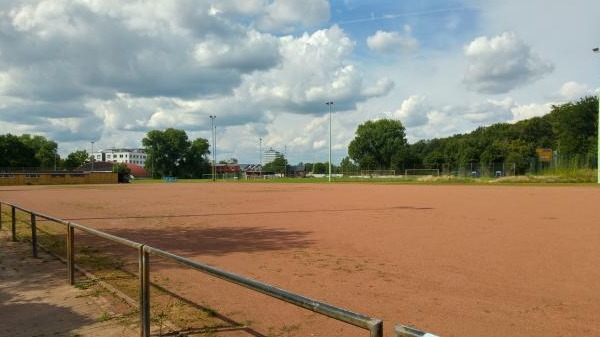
(452, 260)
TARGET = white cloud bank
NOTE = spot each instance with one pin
(82, 70)
(499, 64)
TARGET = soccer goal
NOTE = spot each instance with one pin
(422, 172)
(377, 173)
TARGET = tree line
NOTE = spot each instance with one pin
(569, 130)
(170, 153)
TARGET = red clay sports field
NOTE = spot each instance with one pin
(452, 260)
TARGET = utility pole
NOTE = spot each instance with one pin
(214, 146)
(329, 104)
(597, 51)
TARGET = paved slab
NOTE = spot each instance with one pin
(35, 299)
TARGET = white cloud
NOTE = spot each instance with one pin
(527, 111)
(392, 42)
(413, 111)
(256, 51)
(239, 7)
(319, 144)
(381, 88)
(490, 111)
(113, 69)
(282, 14)
(499, 64)
(313, 70)
(572, 90)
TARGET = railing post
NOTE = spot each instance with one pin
(33, 236)
(14, 223)
(144, 277)
(377, 329)
(71, 254)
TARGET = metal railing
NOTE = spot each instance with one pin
(373, 325)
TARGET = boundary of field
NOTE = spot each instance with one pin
(373, 325)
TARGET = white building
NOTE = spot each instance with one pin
(270, 155)
(135, 156)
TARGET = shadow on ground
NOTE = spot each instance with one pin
(35, 299)
(217, 240)
(34, 318)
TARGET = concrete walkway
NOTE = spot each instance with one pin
(35, 299)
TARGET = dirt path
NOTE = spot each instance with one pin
(35, 299)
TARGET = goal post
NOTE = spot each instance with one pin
(422, 172)
(377, 173)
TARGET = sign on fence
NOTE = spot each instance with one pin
(544, 154)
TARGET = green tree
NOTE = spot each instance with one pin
(569, 128)
(166, 151)
(196, 162)
(123, 171)
(170, 153)
(537, 131)
(321, 168)
(379, 144)
(347, 165)
(316, 168)
(14, 153)
(278, 165)
(44, 149)
(519, 153)
(76, 159)
(575, 126)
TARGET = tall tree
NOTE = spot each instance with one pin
(170, 153)
(76, 159)
(319, 168)
(166, 151)
(13, 153)
(348, 166)
(379, 144)
(44, 149)
(278, 165)
(196, 162)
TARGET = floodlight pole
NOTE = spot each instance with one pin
(213, 134)
(597, 51)
(329, 104)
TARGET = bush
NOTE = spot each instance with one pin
(123, 171)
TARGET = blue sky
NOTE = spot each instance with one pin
(110, 71)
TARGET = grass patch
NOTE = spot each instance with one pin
(565, 176)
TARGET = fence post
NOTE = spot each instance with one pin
(33, 236)
(14, 223)
(71, 254)
(144, 278)
(377, 330)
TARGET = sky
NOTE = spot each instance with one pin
(109, 71)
